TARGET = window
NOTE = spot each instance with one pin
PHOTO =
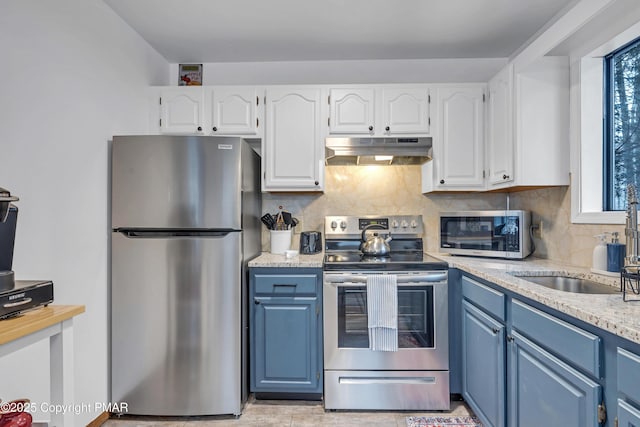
(621, 125)
(605, 138)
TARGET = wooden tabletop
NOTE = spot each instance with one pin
(35, 320)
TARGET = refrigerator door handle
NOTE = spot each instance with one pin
(164, 234)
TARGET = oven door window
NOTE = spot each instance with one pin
(415, 317)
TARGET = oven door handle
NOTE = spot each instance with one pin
(439, 276)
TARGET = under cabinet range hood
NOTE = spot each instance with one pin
(377, 151)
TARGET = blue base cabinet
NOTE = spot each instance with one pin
(483, 365)
(285, 331)
(484, 351)
(628, 416)
(628, 382)
(525, 367)
(543, 389)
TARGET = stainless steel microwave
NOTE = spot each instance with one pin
(494, 234)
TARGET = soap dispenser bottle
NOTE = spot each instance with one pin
(600, 253)
(616, 252)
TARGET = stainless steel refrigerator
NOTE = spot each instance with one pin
(185, 215)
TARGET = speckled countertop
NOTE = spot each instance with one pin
(267, 259)
(607, 312)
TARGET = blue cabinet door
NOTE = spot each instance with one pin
(483, 365)
(628, 416)
(543, 390)
(285, 353)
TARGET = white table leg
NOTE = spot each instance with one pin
(62, 380)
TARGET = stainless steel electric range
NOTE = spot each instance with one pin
(416, 376)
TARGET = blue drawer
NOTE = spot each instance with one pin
(629, 374)
(484, 297)
(575, 345)
(289, 284)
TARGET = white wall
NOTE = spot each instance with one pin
(72, 75)
(348, 72)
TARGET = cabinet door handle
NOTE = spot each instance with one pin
(317, 182)
(387, 128)
(215, 129)
(370, 128)
(442, 181)
(505, 176)
(256, 301)
(510, 338)
(199, 128)
(495, 330)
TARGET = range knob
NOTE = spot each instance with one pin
(394, 224)
(333, 225)
(414, 224)
(343, 225)
(404, 224)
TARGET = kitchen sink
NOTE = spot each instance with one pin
(571, 284)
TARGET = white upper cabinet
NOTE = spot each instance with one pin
(542, 123)
(293, 147)
(528, 135)
(181, 110)
(352, 111)
(405, 111)
(379, 111)
(458, 149)
(234, 110)
(500, 137)
(210, 110)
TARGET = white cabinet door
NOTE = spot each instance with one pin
(233, 110)
(500, 144)
(379, 111)
(542, 122)
(459, 149)
(405, 111)
(181, 110)
(292, 151)
(352, 111)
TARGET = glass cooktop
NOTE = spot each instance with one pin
(393, 261)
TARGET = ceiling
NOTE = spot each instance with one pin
(307, 30)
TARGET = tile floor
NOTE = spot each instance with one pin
(279, 413)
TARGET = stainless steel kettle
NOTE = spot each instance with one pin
(374, 244)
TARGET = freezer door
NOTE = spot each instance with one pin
(176, 324)
(176, 182)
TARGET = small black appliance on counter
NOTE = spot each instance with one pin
(25, 295)
(310, 242)
(8, 219)
(18, 296)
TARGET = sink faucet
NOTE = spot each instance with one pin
(631, 228)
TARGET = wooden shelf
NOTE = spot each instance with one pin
(35, 320)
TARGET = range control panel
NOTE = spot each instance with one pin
(347, 227)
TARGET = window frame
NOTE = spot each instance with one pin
(587, 132)
(607, 118)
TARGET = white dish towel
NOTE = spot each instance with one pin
(382, 312)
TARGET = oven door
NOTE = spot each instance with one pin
(422, 323)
